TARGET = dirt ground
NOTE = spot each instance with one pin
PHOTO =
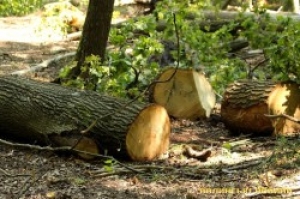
(239, 167)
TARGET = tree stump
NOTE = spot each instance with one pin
(188, 95)
(54, 115)
(247, 103)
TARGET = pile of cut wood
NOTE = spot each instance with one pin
(50, 114)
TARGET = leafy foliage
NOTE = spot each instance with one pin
(141, 47)
(18, 7)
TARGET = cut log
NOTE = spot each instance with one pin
(187, 95)
(54, 115)
(285, 99)
(246, 103)
(244, 107)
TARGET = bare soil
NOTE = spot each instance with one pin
(239, 167)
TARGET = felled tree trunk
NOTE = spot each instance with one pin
(187, 95)
(247, 103)
(54, 115)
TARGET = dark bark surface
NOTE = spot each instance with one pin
(34, 110)
(95, 33)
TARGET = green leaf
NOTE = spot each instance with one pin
(227, 146)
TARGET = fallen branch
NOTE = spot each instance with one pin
(12, 175)
(57, 149)
(36, 147)
(44, 64)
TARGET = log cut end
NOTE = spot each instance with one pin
(244, 107)
(246, 104)
(188, 95)
(285, 99)
(148, 136)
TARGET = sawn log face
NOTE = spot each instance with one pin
(246, 104)
(187, 95)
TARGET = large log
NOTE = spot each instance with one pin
(186, 95)
(247, 103)
(229, 15)
(55, 115)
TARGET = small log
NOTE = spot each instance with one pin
(54, 115)
(246, 103)
(244, 107)
(186, 95)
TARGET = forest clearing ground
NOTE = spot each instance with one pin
(34, 174)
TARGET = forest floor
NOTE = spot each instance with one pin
(239, 167)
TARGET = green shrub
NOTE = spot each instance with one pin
(19, 7)
(138, 47)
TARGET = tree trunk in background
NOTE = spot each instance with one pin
(94, 35)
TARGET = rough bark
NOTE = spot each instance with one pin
(246, 103)
(187, 94)
(52, 114)
(94, 35)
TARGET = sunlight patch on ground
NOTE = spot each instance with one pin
(26, 30)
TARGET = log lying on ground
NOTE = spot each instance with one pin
(187, 95)
(228, 15)
(246, 104)
(54, 115)
(217, 20)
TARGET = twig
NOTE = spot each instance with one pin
(246, 165)
(40, 148)
(66, 148)
(283, 115)
(251, 70)
(25, 187)
(12, 175)
(142, 169)
(89, 127)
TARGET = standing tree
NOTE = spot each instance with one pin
(94, 36)
(83, 120)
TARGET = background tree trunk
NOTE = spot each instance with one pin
(54, 115)
(94, 35)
